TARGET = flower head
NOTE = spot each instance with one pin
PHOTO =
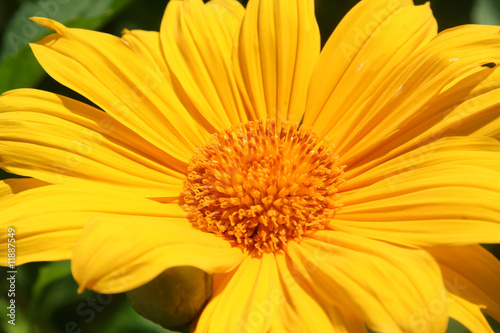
(325, 190)
(260, 186)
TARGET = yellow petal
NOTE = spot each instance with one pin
(49, 219)
(447, 205)
(71, 142)
(275, 54)
(481, 97)
(472, 273)
(147, 45)
(197, 41)
(124, 83)
(468, 314)
(370, 43)
(392, 288)
(153, 244)
(415, 100)
(469, 107)
(299, 311)
(490, 129)
(245, 300)
(444, 193)
(472, 151)
(12, 186)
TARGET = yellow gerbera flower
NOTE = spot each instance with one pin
(368, 213)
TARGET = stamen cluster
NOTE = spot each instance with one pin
(260, 186)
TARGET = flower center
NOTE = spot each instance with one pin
(260, 186)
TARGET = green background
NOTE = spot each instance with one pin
(46, 298)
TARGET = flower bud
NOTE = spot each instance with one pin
(173, 299)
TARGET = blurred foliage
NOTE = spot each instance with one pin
(46, 297)
(47, 302)
(486, 12)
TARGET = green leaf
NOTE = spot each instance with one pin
(486, 12)
(54, 286)
(455, 327)
(125, 319)
(18, 66)
(50, 273)
(21, 322)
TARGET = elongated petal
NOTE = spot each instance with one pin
(436, 205)
(12, 186)
(48, 219)
(147, 45)
(469, 107)
(468, 314)
(275, 55)
(114, 75)
(153, 245)
(371, 42)
(299, 305)
(197, 41)
(391, 287)
(452, 151)
(71, 142)
(245, 300)
(421, 101)
(472, 273)
(444, 193)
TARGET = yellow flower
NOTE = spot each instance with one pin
(369, 213)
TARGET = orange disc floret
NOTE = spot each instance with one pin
(259, 185)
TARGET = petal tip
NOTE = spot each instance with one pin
(48, 23)
(81, 289)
